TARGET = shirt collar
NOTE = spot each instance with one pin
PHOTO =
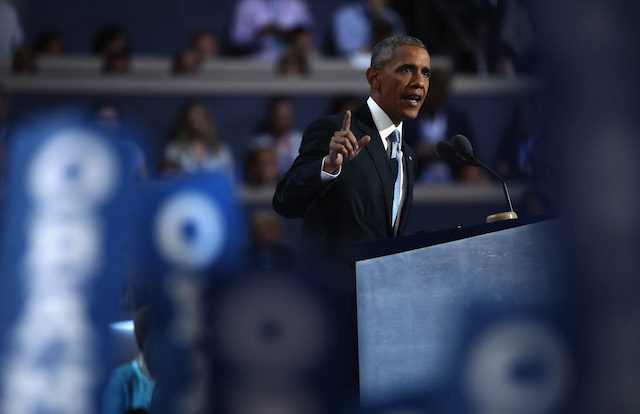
(384, 124)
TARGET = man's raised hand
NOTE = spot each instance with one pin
(343, 146)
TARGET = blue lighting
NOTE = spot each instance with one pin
(122, 326)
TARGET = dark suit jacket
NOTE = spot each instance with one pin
(354, 207)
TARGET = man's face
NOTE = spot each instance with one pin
(401, 85)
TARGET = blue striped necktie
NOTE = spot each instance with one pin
(396, 167)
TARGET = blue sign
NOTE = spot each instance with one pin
(61, 264)
(186, 232)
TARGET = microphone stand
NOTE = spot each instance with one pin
(462, 153)
(507, 215)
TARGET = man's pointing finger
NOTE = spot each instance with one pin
(346, 122)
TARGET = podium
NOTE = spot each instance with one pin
(420, 299)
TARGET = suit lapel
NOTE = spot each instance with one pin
(376, 151)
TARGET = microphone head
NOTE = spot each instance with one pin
(446, 152)
(462, 144)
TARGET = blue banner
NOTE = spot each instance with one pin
(62, 256)
(186, 233)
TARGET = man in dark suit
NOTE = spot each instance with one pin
(353, 179)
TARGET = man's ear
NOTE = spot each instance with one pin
(372, 77)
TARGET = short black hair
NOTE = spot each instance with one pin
(383, 51)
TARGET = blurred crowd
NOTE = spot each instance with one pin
(478, 36)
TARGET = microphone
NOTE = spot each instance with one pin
(445, 151)
(464, 152)
(463, 146)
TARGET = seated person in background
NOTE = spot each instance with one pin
(131, 386)
(186, 62)
(11, 35)
(293, 63)
(107, 117)
(110, 39)
(353, 26)
(261, 167)
(522, 154)
(205, 43)
(276, 132)
(48, 42)
(343, 103)
(116, 63)
(259, 26)
(439, 121)
(24, 61)
(301, 40)
(298, 53)
(195, 146)
(267, 252)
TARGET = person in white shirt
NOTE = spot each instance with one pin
(259, 26)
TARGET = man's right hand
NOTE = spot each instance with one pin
(343, 146)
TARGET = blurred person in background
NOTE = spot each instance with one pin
(11, 34)
(24, 61)
(132, 386)
(186, 62)
(493, 37)
(110, 39)
(196, 146)
(267, 252)
(116, 63)
(504, 61)
(48, 42)
(301, 39)
(107, 117)
(439, 121)
(476, 37)
(522, 153)
(343, 103)
(261, 167)
(293, 63)
(355, 25)
(206, 44)
(277, 132)
(299, 51)
(260, 27)
(518, 34)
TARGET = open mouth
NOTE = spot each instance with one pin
(412, 99)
